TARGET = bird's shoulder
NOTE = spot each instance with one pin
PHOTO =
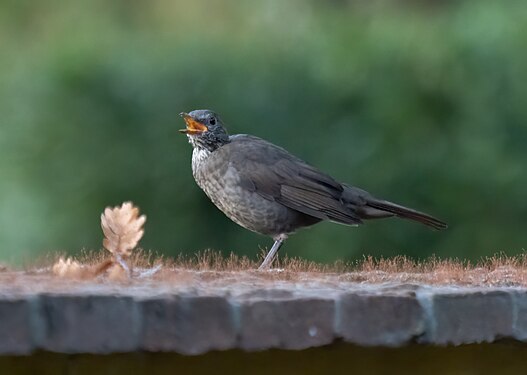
(267, 168)
(243, 147)
(256, 156)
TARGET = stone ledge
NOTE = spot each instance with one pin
(39, 312)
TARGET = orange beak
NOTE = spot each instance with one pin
(193, 126)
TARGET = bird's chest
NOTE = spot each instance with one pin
(221, 182)
(217, 179)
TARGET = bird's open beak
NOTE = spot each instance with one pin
(193, 126)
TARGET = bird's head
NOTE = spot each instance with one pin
(204, 129)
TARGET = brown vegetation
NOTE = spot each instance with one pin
(123, 228)
(499, 270)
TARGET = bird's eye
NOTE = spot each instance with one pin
(212, 121)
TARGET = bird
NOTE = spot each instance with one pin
(268, 190)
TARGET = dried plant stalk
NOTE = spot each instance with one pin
(123, 228)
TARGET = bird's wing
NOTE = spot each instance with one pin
(278, 176)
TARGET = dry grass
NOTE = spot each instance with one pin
(498, 270)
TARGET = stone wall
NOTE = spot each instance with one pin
(201, 312)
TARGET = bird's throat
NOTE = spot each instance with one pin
(210, 144)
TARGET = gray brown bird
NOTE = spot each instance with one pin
(267, 190)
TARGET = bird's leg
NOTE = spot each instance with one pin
(278, 241)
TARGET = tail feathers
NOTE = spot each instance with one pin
(406, 213)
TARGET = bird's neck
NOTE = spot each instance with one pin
(208, 144)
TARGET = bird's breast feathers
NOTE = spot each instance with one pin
(199, 157)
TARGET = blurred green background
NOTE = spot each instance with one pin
(423, 103)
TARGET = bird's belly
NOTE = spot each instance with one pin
(249, 209)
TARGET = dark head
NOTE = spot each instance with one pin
(204, 129)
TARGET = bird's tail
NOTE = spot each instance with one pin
(368, 207)
(406, 213)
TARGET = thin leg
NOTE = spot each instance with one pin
(271, 254)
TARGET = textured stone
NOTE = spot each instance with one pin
(15, 326)
(470, 317)
(297, 323)
(188, 324)
(284, 314)
(267, 294)
(520, 316)
(378, 319)
(89, 324)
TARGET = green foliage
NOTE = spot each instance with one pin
(422, 105)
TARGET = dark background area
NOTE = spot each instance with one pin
(503, 359)
(422, 103)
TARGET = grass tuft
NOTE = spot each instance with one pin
(497, 270)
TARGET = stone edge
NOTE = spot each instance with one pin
(265, 319)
